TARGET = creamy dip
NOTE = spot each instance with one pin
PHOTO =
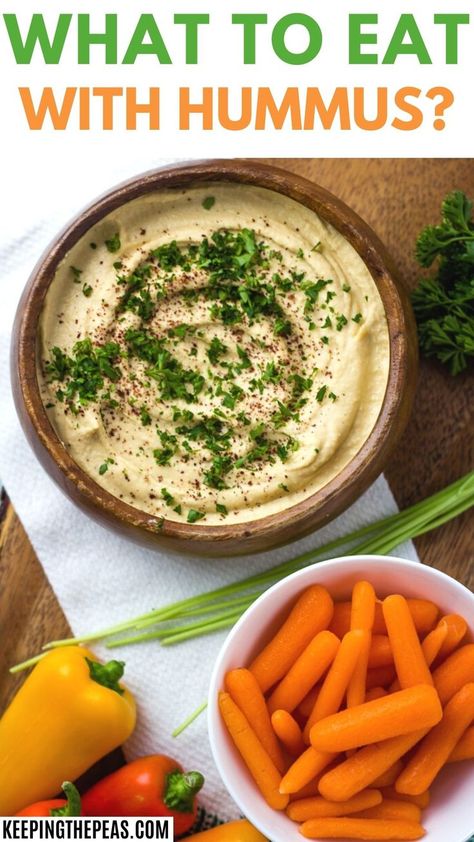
(218, 352)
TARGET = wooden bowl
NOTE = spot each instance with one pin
(266, 532)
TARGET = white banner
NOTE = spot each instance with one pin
(58, 829)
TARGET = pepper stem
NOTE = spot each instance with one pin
(108, 675)
(72, 806)
(181, 789)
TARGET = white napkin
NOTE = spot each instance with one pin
(99, 578)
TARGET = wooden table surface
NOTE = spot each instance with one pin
(397, 198)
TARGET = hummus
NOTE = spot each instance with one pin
(218, 352)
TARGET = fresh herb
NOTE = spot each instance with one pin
(138, 295)
(113, 244)
(444, 303)
(380, 537)
(221, 509)
(311, 291)
(167, 497)
(145, 416)
(194, 515)
(85, 371)
(76, 274)
(214, 477)
(105, 466)
(181, 331)
(208, 202)
(357, 318)
(321, 393)
(87, 290)
(172, 379)
(216, 350)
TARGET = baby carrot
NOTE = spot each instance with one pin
(390, 776)
(363, 606)
(391, 809)
(391, 716)
(306, 791)
(434, 750)
(422, 800)
(335, 684)
(306, 767)
(353, 828)
(317, 807)
(380, 677)
(257, 760)
(375, 693)
(341, 619)
(362, 617)
(464, 748)
(424, 613)
(305, 672)
(457, 629)
(433, 642)
(408, 657)
(288, 732)
(306, 706)
(380, 654)
(311, 614)
(244, 690)
(365, 766)
(456, 671)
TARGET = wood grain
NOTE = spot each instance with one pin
(397, 198)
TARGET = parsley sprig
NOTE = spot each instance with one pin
(444, 303)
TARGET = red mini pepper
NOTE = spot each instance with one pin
(149, 786)
(71, 806)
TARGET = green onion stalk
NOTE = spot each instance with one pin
(220, 608)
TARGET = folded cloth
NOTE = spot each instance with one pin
(100, 578)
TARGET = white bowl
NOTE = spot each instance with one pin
(450, 816)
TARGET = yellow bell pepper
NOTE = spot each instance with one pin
(70, 712)
(241, 831)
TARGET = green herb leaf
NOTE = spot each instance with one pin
(113, 244)
(194, 515)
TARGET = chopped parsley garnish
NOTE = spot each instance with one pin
(167, 497)
(85, 372)
(113, 244)
(105, 466)
(145, 416)
(194, 515)
(172, 379)
(216, 350)
(76, 274)
(231, 276)
(357, 318)
(208, 202)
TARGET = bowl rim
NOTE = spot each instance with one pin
(215, 682)
(364, 466)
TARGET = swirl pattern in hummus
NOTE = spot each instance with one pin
(233, 353)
